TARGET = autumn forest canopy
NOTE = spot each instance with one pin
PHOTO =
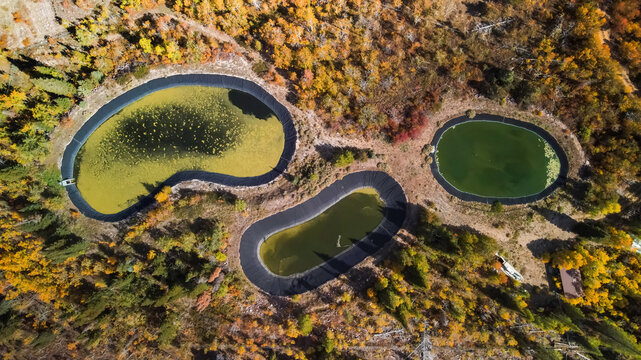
(368, 83)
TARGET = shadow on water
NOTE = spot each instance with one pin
(383, 211)
(333, 262)
(150, 187)
(250, 105)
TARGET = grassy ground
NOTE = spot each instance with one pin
(311, 243)
(181, 128)
(494, 159)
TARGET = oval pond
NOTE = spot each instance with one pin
(495, 159)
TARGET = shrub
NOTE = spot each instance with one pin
(123, 79)
(240, 205)
(403, 315)
(213, 240)
(526, 93)
(427, 149)
(64, 249)
(62, 105)
(97, 76)
(343, 159)
(497, 207)
(141, 71)
(85, 87)
(617, 339)
(362, 154)
(44, 70)
(381, 283)
(328, 342)
(222, 290)
(45, 338)
(168, 330)
(606, 207)
(370, 153)
(390, 299)
(545, 353)
(584, 133)
(260, 67)
(471, 114)
(305, 324)
(55, 86)
(163, 195)
(220, 256)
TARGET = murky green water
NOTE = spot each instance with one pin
(496, 160)
(311, 243)
(180, 128)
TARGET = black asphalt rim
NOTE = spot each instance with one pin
(560, 153)
(215, 80)
(390, 192)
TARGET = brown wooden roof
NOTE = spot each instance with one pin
(572, 284)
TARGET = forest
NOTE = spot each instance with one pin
(162, 284)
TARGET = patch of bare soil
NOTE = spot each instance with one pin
(26, 23)
(624, 72)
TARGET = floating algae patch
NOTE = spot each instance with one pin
(494, 159)
(304, 246)
(176, 129)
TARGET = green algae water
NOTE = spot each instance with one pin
(304, 246)
(494, 159)
(176, 129)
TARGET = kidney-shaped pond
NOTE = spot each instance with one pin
(309, 244)
(303, 247)
(209, 127)
(492, 158)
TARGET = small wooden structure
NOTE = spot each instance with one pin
(572, 283)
